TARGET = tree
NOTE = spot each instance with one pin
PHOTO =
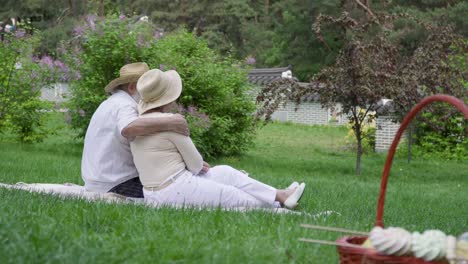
(275, 33)
(363, 74)
(54, 19)
(292, 42)
(437, 66)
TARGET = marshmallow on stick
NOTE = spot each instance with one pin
(430, 245)
(391, 241)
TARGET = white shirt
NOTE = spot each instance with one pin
(163, 155)
(107, 160)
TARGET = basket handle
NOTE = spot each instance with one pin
(459, 104)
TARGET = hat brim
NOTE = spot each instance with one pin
(170, 96)
(121, 80)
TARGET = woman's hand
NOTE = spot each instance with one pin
(205, 167)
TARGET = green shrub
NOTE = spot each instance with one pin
(216, 87)
(368, 135)
(21, 78)
(441, 130)
(442, 138)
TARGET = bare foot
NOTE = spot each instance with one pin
(282, 195)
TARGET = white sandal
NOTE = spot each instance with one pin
(293, 200)
(293, 185)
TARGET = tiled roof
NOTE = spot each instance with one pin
(266, 75)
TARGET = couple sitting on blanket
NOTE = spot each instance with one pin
(136, 148)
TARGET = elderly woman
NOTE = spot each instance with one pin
(172, 170)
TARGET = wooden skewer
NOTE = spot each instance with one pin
(335, 229)
(325, 242)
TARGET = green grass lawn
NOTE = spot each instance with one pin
(38, 228)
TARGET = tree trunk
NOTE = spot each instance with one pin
(267, 7)
(101, 8)
(410, 141)
(357, 131)
(71, 8)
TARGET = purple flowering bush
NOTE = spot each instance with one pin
(214, 97)
(98, 49)
(250, 60)
(54, 70)
(22, 75)
(19, 88)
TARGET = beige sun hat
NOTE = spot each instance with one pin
(158, 88)
(129, 73)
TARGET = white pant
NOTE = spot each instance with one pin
(221, 186)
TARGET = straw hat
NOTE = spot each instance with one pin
(129, 73)
(158, 88)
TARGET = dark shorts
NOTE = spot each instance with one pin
(131, 188)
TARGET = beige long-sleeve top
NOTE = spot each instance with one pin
(162, 155)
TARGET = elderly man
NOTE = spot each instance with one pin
(107, 163)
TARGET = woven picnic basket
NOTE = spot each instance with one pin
(354, 255)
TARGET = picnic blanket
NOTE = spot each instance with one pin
(71, 190)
